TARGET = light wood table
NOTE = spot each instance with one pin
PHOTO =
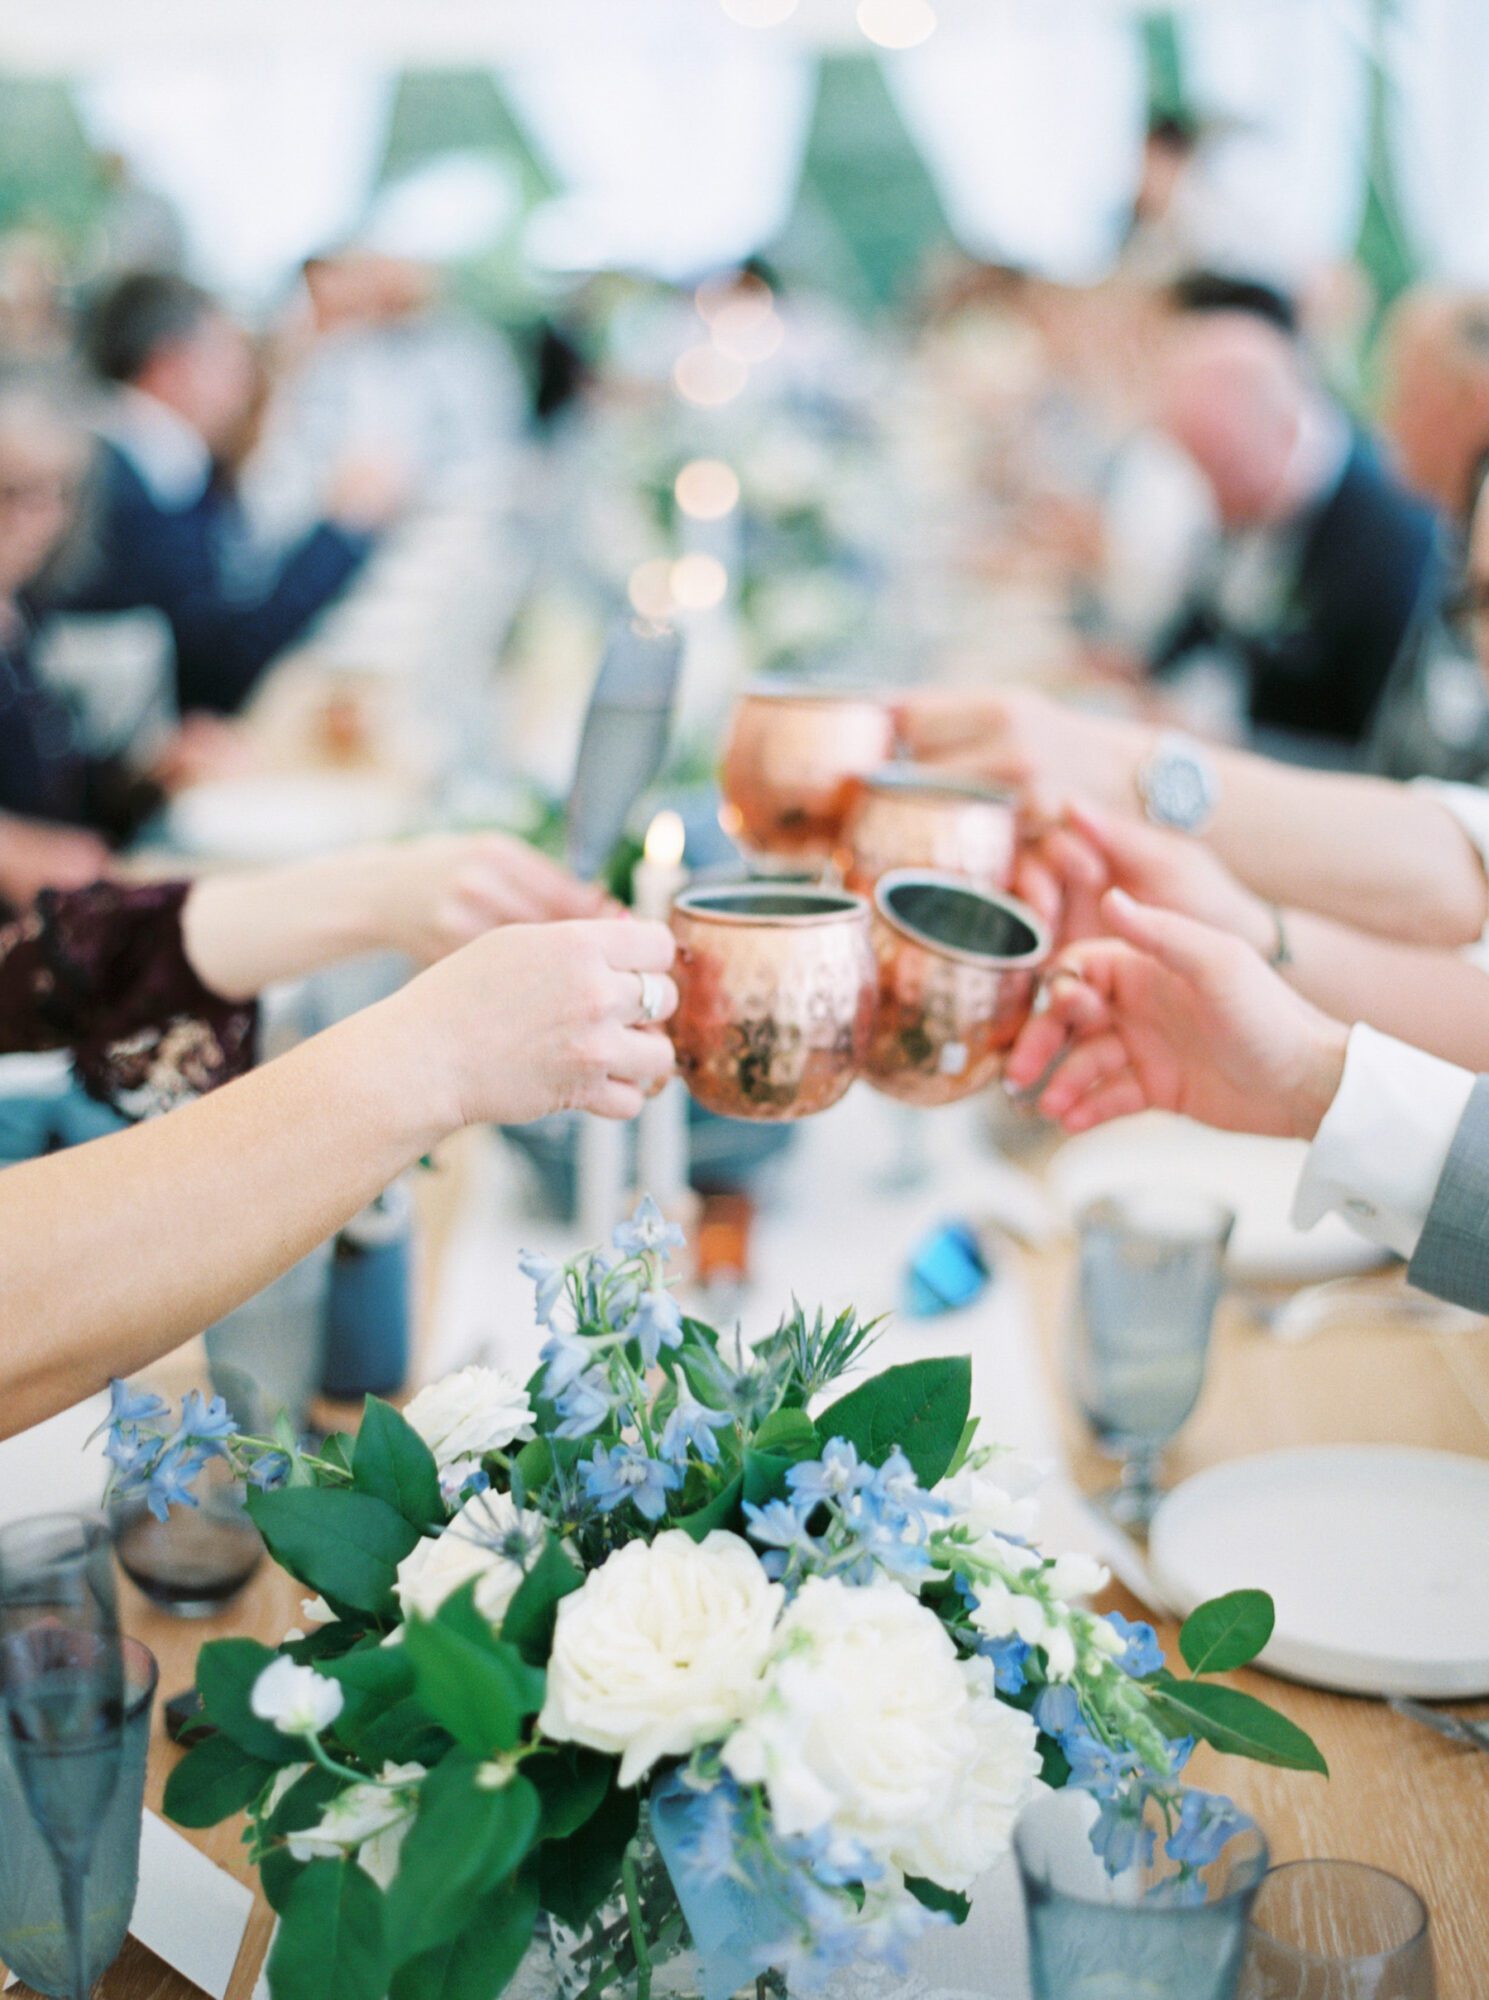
(1400, 1797)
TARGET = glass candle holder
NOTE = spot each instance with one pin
(1337, 1930)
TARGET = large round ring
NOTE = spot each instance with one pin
(653, 997)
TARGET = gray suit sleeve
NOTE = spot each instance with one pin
(1452, 1256)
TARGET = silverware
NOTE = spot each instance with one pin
(1457, 1728)
(624, 739)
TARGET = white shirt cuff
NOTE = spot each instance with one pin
(1384, 1141)
(1469, 805)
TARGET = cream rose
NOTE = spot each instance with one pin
(999, 1769)
(661, 1649)
(489, 1539)
(470, 1413)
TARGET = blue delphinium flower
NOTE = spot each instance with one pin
(170, 1479)
(202, 1422)
(1207, 1821)
(1121, 1836)
(269, 1470)
(1144, 1655)
(779, 1527)
(622, 1473)
(657, 1324)
(1010, 1657)
(648, 1229)
(547, 1275)
(132, 1407)
(566, 1356)
(833, 1476)
(131, 1454)
(902, 1498)
(1057, 1710)
(585, 1405)
(691, 1426)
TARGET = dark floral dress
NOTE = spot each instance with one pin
(103, 972)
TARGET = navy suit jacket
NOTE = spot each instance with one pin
(230, 609)
(1370, 574)
(44, 772)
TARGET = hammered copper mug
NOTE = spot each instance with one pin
(791, 764)
(908, 817)
(775, 997)
(958, 971)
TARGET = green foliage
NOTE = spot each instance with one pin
(530, 1617)
(226, 1670)
(571, 1785)
(213, 1781)
(1227, 1632)
(391, 1462)
(789, 1434)
(576, 1875)
(720, 1512)
(934, 1897)
(475, 1685)
(465, 1840)
(765, 1476)
(331, 1940)
(1235, 1723)
(921, 1406)
(343, 1544)
(479, 1961)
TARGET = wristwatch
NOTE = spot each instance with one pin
(1178, 784)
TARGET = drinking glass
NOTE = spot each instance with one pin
(62, 1693)
(1151, 1266)
(1337, 1930)
(193, 1563)
(36, 1941)
(267, 1355)
(1148, 1931)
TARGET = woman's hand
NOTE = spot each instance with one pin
(1165, 1013)
(539, 1018)
(431, 896)
(35, 855)
(1025, 741)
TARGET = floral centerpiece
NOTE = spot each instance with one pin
(676, 1670)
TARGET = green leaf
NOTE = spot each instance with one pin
(764, 1476)
(392, 1463)
(789, 1434)
(214, 1781)
(934, 1897)
(1227, 1632)
(346, 1545)
(528, 1624)
(372, 1680)
(474, 1684)
(716, 1513)
(921, 1406)
(464, 1841)
(478, 1963)
(279, 1871)
(226, 1670)
(571, 1785)
(964, 1447)
(1234, 1722)
(338, 1449)
(304, 1803)
(576, 1875)
(330, 1939)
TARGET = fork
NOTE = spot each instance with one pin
(1457, 1728)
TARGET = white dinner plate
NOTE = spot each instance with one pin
(1255, 1177)
(284, 816)
(1377, 1557)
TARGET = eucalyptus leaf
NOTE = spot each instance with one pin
(921, 1406)
(213, 1781)
(1236, 1723)
(331, 1937)
(392, 1463)
(1227, 1632)
(345, 1545)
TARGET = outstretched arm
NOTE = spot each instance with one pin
(116, 1252)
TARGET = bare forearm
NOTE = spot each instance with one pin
(244, 931)
(1435, 999)
(118, 1251)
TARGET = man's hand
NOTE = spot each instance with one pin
(1167, 1014)
(1027, 742)
(35, 855)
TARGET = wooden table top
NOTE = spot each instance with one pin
(1400, 1797)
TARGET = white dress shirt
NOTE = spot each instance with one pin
(1384, 1141)
(169, 455)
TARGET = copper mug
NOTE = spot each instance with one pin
(910, 817)
(791, 764)
(958, 971)
(775, 997)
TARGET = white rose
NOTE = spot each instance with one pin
(857, 1727)
(489, 1539)
(470, 1413)
(995, 1499)
(661, 1649)
(999, 1769)
(297, 1700)
(371, 1818)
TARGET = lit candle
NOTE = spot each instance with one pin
(662, 1131)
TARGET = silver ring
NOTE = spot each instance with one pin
(653, 997)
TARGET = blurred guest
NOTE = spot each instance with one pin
(1327, 569)
(59, 806)
(170, 531)
(137, 227)
(33, 320)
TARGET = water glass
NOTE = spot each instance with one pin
(1151, 1267)
(1337, 1930)
(34, 1936)
(1150, 1930)
(267, 1356)
(197, 1560)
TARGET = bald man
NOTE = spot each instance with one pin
(1327, 569)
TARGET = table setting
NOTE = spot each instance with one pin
(1137, 1723)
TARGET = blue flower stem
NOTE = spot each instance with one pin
(638, 1926)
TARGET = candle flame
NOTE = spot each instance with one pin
(665, 839)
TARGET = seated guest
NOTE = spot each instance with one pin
(170, 532)
(1326, 570)
(60, 807)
